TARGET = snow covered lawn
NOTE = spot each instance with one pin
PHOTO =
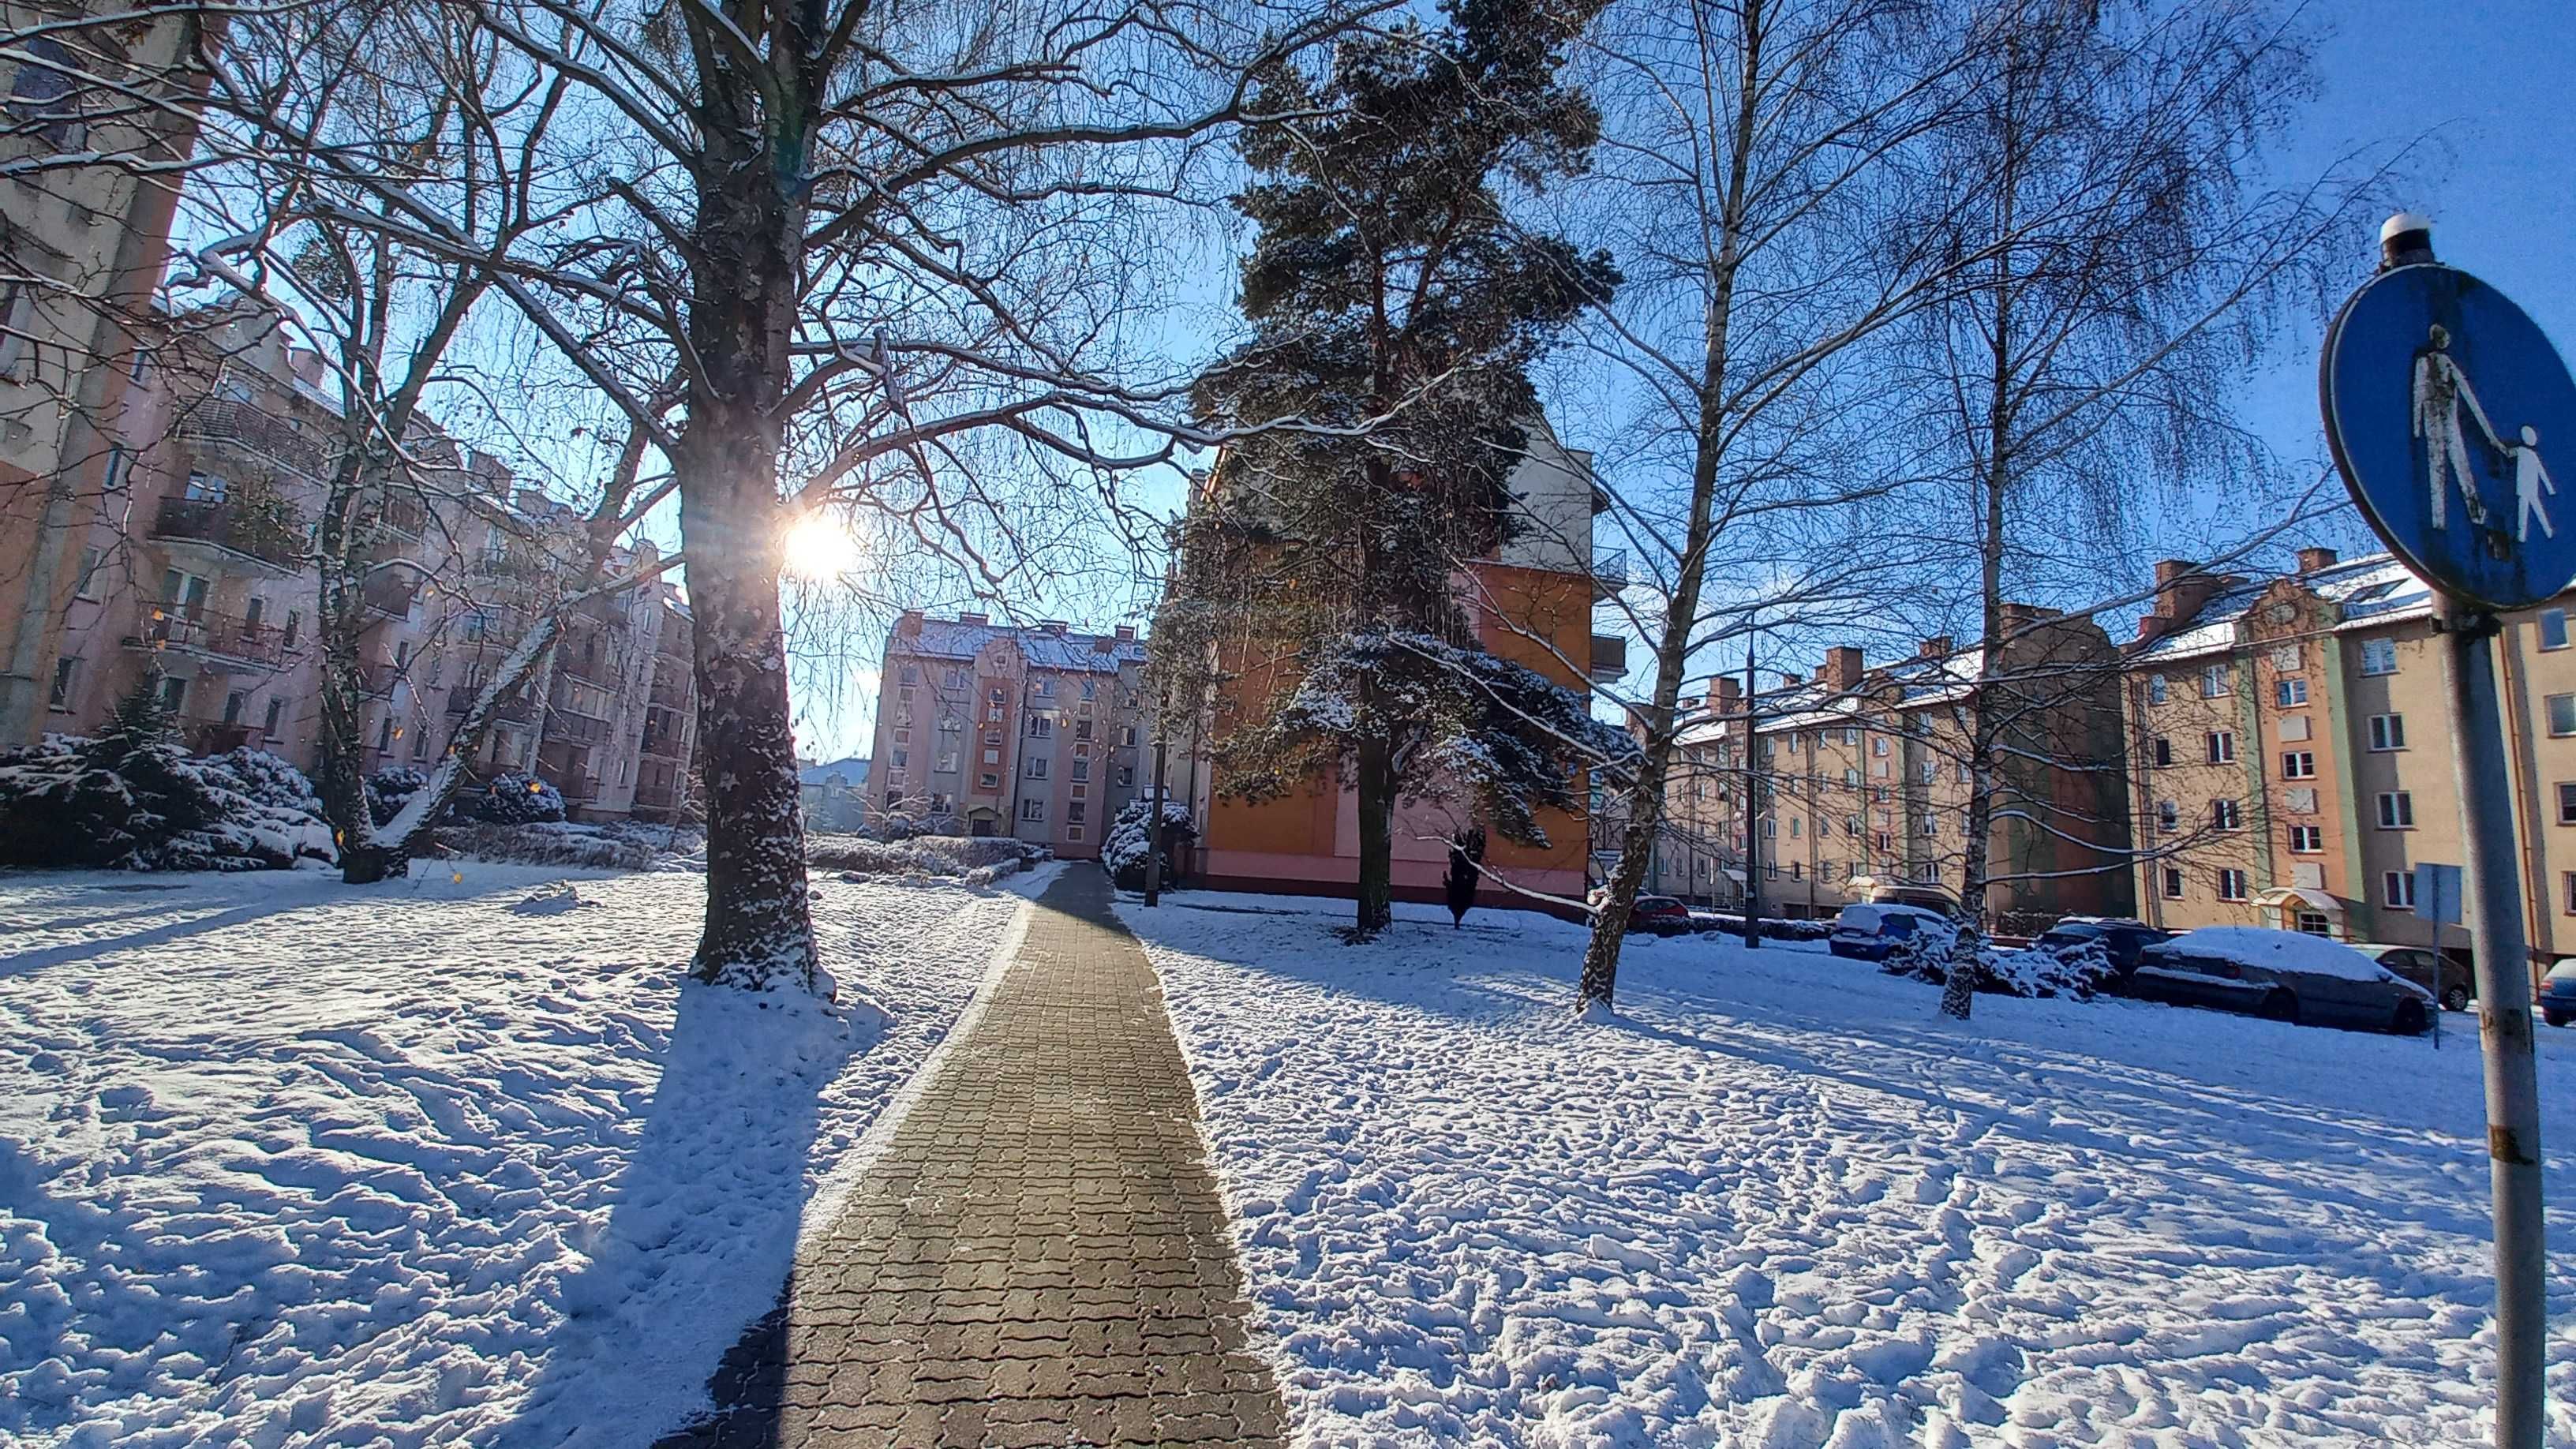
(449, 1162)
(1782, 1203)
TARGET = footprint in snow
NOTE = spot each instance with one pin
(553, 901)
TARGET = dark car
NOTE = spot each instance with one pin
(2120, 940)
(1872, 932)
(2448, 979)
(2283, 975)
(1660, 914)
(2558, 993)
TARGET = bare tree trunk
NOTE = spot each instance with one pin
(1375, 785)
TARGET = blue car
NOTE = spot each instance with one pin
(2558, 993)
(1872, 932)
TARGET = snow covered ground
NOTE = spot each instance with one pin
(1781, 1202)
(284, 1163)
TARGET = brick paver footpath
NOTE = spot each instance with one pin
(1039, 1257)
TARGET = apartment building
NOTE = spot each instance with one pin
(1529, 601)
(1858, 782)
(196, 559)
(2290, 759)
(992, 729)
(81, 248)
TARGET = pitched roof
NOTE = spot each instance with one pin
(853, 769)
(2371, 590)
(1044, 646)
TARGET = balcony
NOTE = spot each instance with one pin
(1609, 573)
(668, 692)
(673, 642)
(216, 736)
(589, 669)
(575, 728)
(514, 708)
(664, 796)
(226, 534)
(663, 743)
(606, 608)
(387, 597)
(578, 789)
(1609, 658)
(511, 565)
(224, 641)
(403, 517)
(252, 433)
(377, 678)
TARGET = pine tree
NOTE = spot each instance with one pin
(1394, 302)
(142, 719)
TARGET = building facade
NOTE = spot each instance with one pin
(990, 729)
(197, 561)
(81, 248)
(1531, 602)
(1858, 782)
(2290, 755)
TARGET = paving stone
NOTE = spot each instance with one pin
(1039, 1256)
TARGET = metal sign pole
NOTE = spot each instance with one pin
(2503, 966)
(2446, 406)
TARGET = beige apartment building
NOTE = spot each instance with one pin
(81, 248)
(1861, 777)
(991, 729)
(2290, 759)
(196, 559)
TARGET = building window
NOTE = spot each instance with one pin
(2163, 751)
(2231, 885)
(1044, 689)
(2571, 892)
(2173, 883)
(2298, 764)
(2388, 732)
(60, 695)
(902, 758)
(2379, 656)
(1878, 745)
(2226, 815)
(911, 674)
(1037, 767)
(2168, 816)
(2553, 628)
(2314, 923)
(2562, 714)
(2289, 693)
(988, 781)
(15, 300)
(2396, 810)
(2221, 745)
(1127, 734)
(1041, 727)
(1081, 769)
(1033, 809)
(2158, 690)
(276, 708)
(2214, 683)
(947, 762)
(2397, 890)
(992, 757)
(1073, 812)
(2307, 839)
(2567, 802)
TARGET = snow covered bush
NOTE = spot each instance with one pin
(130, 800)
(510, 798)
(2076, 972)
(1122, 850)
(927, 855)
(388, 789)
(544, 843)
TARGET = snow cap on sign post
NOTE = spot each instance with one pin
(2452, 418)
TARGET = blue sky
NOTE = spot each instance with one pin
(2488, 89)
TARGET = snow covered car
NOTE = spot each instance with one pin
(2283, 975)
(1660, 914)
(2121, 940)
(2447, 979)
(1869, 933)
(2558, 993)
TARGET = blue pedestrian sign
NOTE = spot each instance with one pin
(2454, 423)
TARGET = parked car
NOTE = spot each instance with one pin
(2449, 980)
(2558, 993)
(2283, 975)
(1660, 914)
(2120, 939)
(1871, 932)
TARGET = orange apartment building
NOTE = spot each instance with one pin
(2290, 760)
(1861, 779)
(1531, 602)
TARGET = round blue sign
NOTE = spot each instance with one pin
(2454, 421)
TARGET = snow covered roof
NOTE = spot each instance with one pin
(1044, 646)
(2371, 590)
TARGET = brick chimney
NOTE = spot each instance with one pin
(1936, 647)
(974, 618)
(1791, 680)
(1127, 633)
(909, 626)
(2180, 591)
(2018, 617)
(1725, 695)
(1842, 667)
(2316, 560)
